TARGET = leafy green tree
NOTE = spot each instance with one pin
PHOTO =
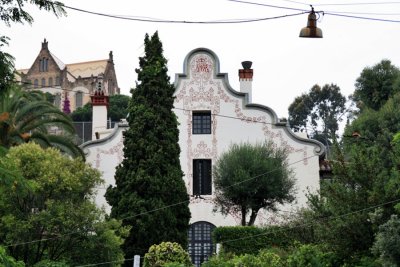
(12, 11)
(387, 242)
(6, 67)
(54, 218)
(318, 112)
(166, 252)
(117, 109)
(8, 261)
(28, 117)
(376, 85)
(150, 194)
(365, 176)
(248, 178)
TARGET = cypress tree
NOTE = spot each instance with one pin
(150, 194)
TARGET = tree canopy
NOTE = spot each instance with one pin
(249, 177)
(117, 109)
(318, 112)
(52, 217)
(376, 85)
(12, 11)
(26, 116)
(150, 194)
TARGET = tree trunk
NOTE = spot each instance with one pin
(253, 217)
(243, 216)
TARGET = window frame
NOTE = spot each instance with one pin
(200, 245)
(201, 122)
(202, 177)
(80, 102)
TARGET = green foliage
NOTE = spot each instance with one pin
(365, 176)
(318, 112)
(265, 258)
(6, 67)
(48, 263)
(387, 242)
(249, 239)
(13, 10)
(55, 207)
(249, 177)
(166, 252)
(117, 110)
(82, 113)
(310, 256)
(376, 85)
(8, 261)
(28, 117)
(149, 180)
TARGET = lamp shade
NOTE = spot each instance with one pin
(311, 31)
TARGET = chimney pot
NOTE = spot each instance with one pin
(247, 65)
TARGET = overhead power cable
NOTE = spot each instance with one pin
(359, 4)
(143, 19)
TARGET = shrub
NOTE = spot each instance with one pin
(250, 240)
(166, 253)
(310, 256)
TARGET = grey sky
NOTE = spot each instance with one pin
(284, 64)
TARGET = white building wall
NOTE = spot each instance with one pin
(233, 121)
(202, 87)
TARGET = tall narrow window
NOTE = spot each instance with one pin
(46, 64)
(202, 177)
(58, 81)
(200, 242)
(40, 65)
(57, 100)
(201, 122)
(36, 83)
(43, 82)
(50, 81)
(78, 99)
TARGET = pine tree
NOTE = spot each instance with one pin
(150, 194)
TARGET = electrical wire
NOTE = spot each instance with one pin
(363, 18)
(358, 4)
(142, 19)
(317, 221)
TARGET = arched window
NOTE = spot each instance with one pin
(58, 81)
(36, 83)
(43, 82)
(57, 100)
(78, 99)
(46, 64)
(40, 65)
(50, 81)
(200, 243)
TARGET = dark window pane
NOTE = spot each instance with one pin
(201, 122)
(200, 244)
(202, 177)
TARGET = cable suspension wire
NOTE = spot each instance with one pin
(359, 4)
(142, 19)
(364, 18)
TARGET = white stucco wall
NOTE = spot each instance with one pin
(105, 155)
(202, 87)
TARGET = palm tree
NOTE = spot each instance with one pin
(25, 116)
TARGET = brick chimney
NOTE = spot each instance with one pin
(246, 79)
(100, 109)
